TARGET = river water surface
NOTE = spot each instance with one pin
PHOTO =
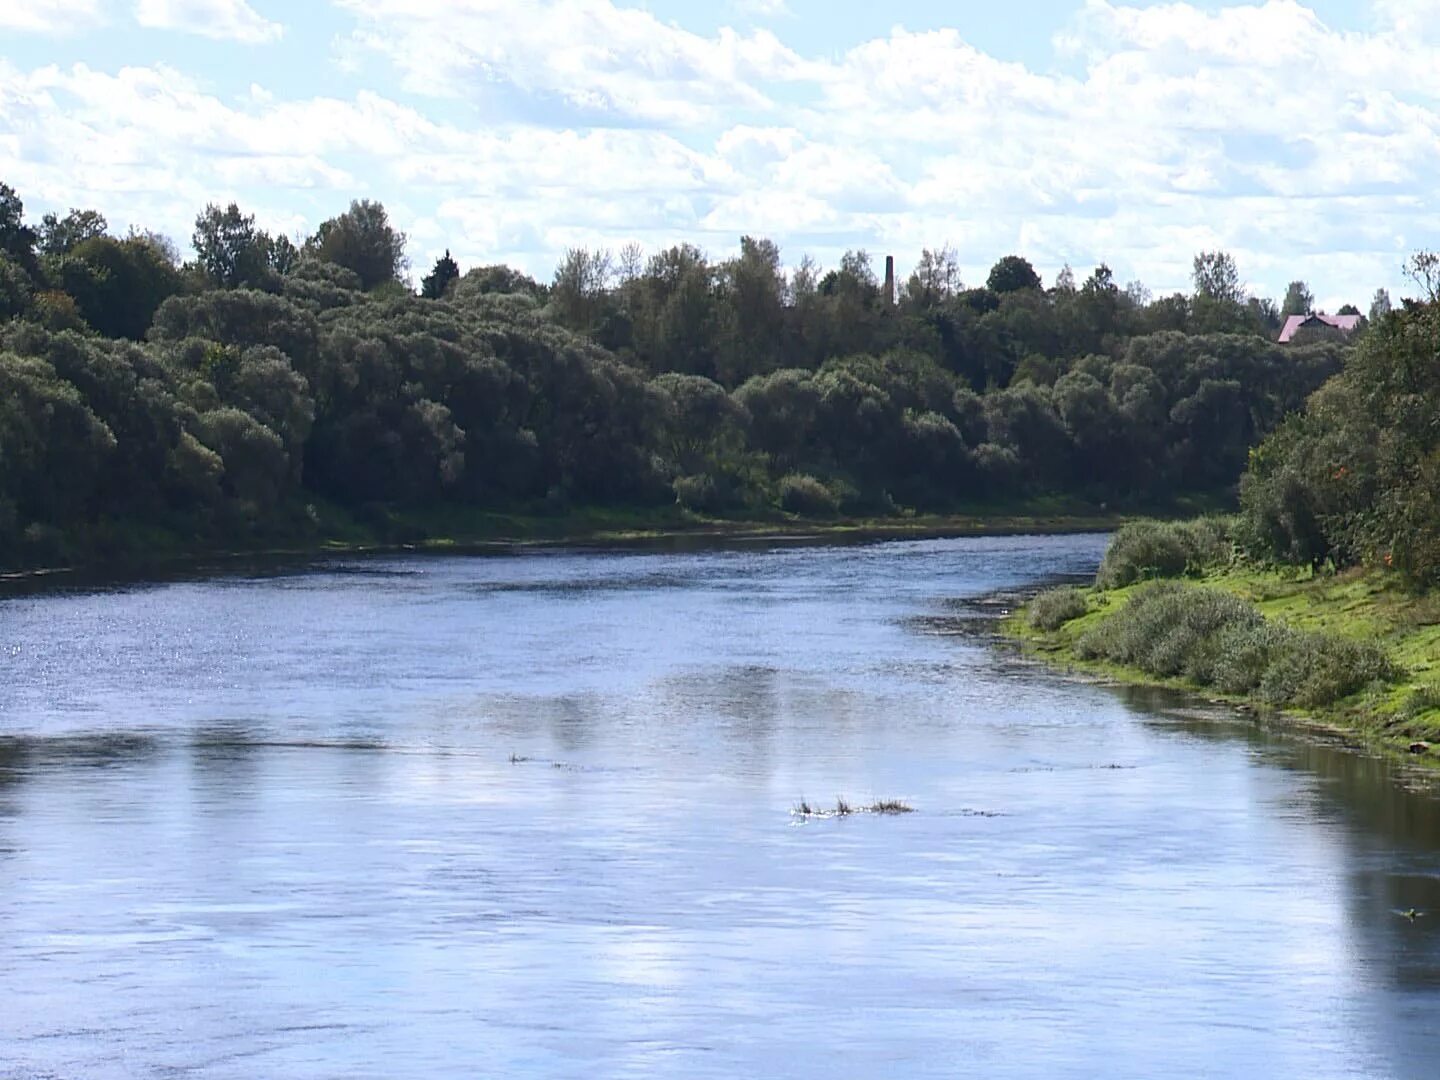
(531, 816)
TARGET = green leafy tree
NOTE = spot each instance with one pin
(1011, 274)
(752, 301)
(231, 250)
(118, 285)
(15, 288)
(17, 240)
(935, 279)
(60, 235)
(675, 313)
(579, 291)
(362, 240)
(1216, 277)
(437, 283)
(1299, 300)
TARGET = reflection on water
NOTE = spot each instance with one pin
(531, 815)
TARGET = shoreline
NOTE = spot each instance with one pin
(511, 534)
(1364, 606)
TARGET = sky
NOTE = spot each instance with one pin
(1304, 139)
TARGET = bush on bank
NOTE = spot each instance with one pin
(1053, 608)
(1160, 549)
(1218, 640)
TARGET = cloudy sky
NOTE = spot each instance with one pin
(1303, 138)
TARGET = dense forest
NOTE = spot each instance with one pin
(266, 388)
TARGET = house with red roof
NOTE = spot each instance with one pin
(1346, 324)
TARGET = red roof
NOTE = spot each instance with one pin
(1295, 323)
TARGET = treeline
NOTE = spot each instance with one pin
(243, 395)
(1355, 478)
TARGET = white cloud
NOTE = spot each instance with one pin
(50, 16)
(1304, 150)
(761, 9)
(586, 56)
(225, 20)
(1415, 17)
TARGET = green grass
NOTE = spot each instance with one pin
(1365, 608)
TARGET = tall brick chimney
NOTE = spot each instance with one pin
(889, 280)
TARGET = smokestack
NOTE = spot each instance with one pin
(889, 280)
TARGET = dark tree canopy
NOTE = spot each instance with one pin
(1011, 274)
(233, 251)
(118, 285)
(1299, 300)
(1216, 277)
(363, 241)
(437, 283)
(17, 240)
(61, 235)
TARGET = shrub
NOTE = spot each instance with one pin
(697, 492)
(1418, 702)
(1244, 654)
(1218, 640)
(804, 495)
(1316, 669)
(1147, 549)
(1183, 644)
(1053, 608)
(1125, 637)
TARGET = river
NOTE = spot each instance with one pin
(531, 815)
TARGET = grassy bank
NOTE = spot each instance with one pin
(1357, 653)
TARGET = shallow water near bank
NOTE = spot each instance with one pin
(531, 815)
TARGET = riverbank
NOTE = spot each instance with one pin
(1400, 714)
(460, 530)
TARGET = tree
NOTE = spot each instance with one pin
(282, 254)
(59, 236)
(14, 288)
(675, 315)
(362, 240)
(1423, 268)
(753, 318)
(1380, 305)
(1011, 274)
(936, 278)
(579, 287)
(118, 285)
(1299, 300)
(632, 262)
(163, 246)
(436, 283)
(16, 238)
(1216, 277)
(231, 250)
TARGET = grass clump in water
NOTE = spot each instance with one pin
(844, 808)
(1216, 639)
(890, 806)
(1053, 608)
(1160, 549)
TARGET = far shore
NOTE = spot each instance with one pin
(493, 534)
